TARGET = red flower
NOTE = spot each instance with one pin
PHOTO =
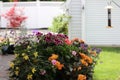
(68, 42)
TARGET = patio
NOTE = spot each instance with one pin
(4, 65)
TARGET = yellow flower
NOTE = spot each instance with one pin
(29, 77)
(26, 57)
(17, 68)
(23, 54)
(16, 73)
(33, 70)
(12, 64)
(16, 55)
(35, 54)
(28, 47)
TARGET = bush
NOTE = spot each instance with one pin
(52, 57)
(60, 24)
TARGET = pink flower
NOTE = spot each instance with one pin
(74, 53)
(53, 62)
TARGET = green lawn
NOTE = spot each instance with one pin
(108, 66)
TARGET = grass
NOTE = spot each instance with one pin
(108, 66)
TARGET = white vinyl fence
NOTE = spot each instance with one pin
(40, 13)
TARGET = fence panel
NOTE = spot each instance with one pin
(40, 14)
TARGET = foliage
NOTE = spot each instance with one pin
(60, 24)
(52, 57)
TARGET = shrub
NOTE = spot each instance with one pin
(52, 57)
(60, 24)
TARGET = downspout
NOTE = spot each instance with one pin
(83, 34)
(66, 8)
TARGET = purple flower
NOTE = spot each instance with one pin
(74, 53)
(39, 34)
(84, 46)
(35, 31)
(98, 50)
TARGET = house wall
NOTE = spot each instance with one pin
(75, 29)
(96, 32)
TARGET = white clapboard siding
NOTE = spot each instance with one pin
(75, 22)
(96, 32)
(40, 14)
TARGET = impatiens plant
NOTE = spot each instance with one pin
(52, 57)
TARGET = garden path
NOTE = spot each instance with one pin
(4, 65)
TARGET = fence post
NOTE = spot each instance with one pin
(0, 11)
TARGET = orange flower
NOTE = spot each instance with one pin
(59, 65)
(83, 56)
(81, 41)
(84, 62)
(79, 68)
(89, 60)
(81, 77)
(75, 39)
(93, 53)
(53, 57)
(86, 58)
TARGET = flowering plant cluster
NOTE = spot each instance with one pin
(15, 17)
(52, 57)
